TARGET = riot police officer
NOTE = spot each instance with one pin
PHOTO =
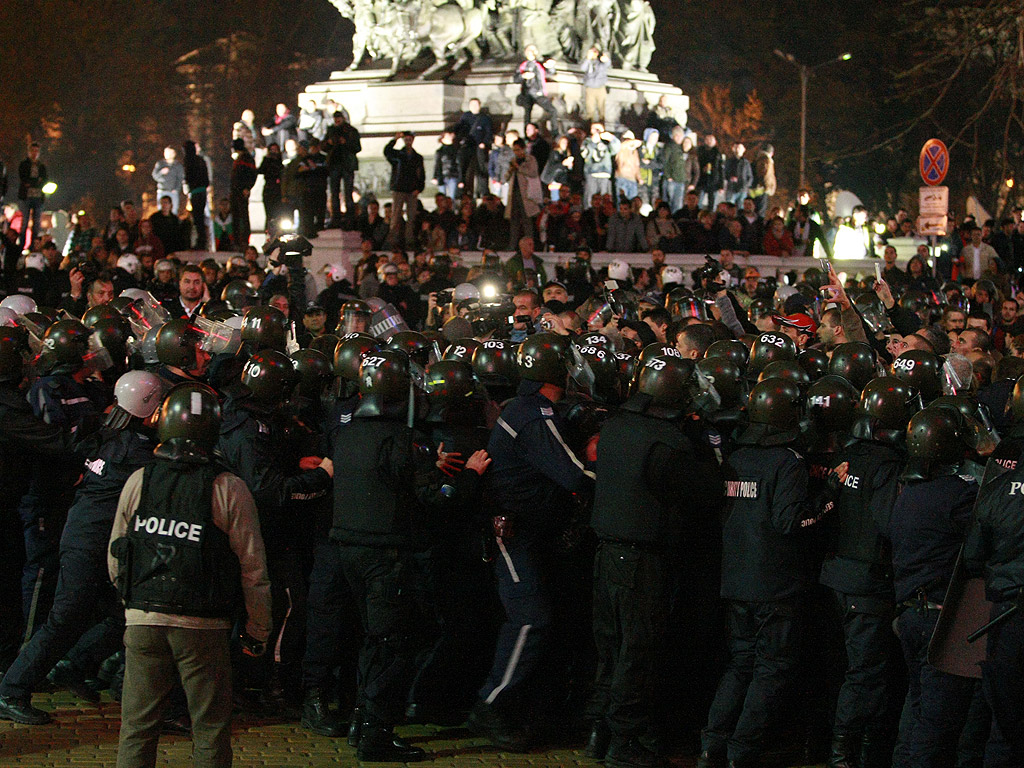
(180, 352)
(764, 571)
(858, 568)
(186, 554)
(532, 476)
(926, 530)
(83, 589)
(649, 459)
(385, 480)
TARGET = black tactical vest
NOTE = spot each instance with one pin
(177, 560)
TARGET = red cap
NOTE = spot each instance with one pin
(800, 321)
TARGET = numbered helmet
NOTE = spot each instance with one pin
(542, 358)
(190, 417)
(592, 339)
(936, 443)
(665, 387)
(596, 371)
(383, 381)
(66, 343)
(461, 349)
(412, 343)
(885, 407)
(774, 408)
(238, 295)
(790, 370)
(656, 350)
(494, 363)
(922, 370)
(726, 376)
(13, 348)
(20, 305)
(815, 362)
(355, 317)
(176, 344)
(855, 361)
(270, 376)
(730, 349)
(314, 371)
(325, 344)
(137, 394)
(768, 348)
(349, 354)
(832, 403)
(265, 328)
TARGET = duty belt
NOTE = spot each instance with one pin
(921, 602)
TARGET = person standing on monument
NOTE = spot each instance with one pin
(407, 181)
(595, 83)
(342, 144)
(475, 133)
(524, 193)
(532, 74)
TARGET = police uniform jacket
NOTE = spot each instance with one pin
(995, 543)
(858, 560)
(648, 471)
(766, 500)
(926, 530)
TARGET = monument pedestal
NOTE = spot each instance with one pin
(379, 107)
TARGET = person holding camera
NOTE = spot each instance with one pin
(532, 75)
(595, 83)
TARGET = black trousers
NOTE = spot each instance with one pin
(546, 105)
(341, 181)
(325, 626)
(763, 650)
(379, 580)
(631, 605)
(1003, 683)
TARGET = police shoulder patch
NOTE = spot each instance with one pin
(544, 411)
(968, 478)
(264, 429)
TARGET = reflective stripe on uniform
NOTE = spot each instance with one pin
(577, 462)
(504, 425)
(508, 560)
(513, 662)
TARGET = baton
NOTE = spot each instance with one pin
(985, 629)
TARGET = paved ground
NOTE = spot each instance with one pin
(84, 736)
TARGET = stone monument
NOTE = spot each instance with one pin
(417, 63)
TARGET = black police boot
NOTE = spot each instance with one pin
(876, 750)
(379, 744)
(317, 716)
(355, 726)
(597, 744)
(709, 759)
(485, 721)
(843, 754)
(631, 754)
(66, 676)
(22, 711)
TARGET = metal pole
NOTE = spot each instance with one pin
(804, 74)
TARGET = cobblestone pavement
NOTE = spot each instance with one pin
(84, 735)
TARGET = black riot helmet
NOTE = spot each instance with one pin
(190, 417)
(726, 376)
(935, 443)
(596, 371)
(314, 371)
(265, 328)
(461, 349)
(815, 362)
(66, 343)
(731, 349)
(768, 348)
(832, 404)
(355, 317)
(114, 333)
(384, 382)
(922, 370)
(325, 344)
(758, 309)
(349, 354)
(13, 348)
(412, 343)
(100, 312)
(270, 376)
(855, 361)
(542, 358)
(449, 383)
(120, 303)
(790, 370)
(665, 387)
(977, 430)
(494, 363)
(885, 407)
(773, 410)
(238, 295)
(176, 344)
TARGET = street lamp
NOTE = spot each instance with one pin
(805, 74)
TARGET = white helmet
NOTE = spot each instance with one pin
(618, 270)
(8, 317)
(336, 272)
(35, 261)
(139, 393)
(129, 263)
(671, 274)
(137, 293)
(466, 292)
(19, 304)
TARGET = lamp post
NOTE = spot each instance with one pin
(805, 75)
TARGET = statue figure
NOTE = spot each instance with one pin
(597, 21)
(636, 35)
